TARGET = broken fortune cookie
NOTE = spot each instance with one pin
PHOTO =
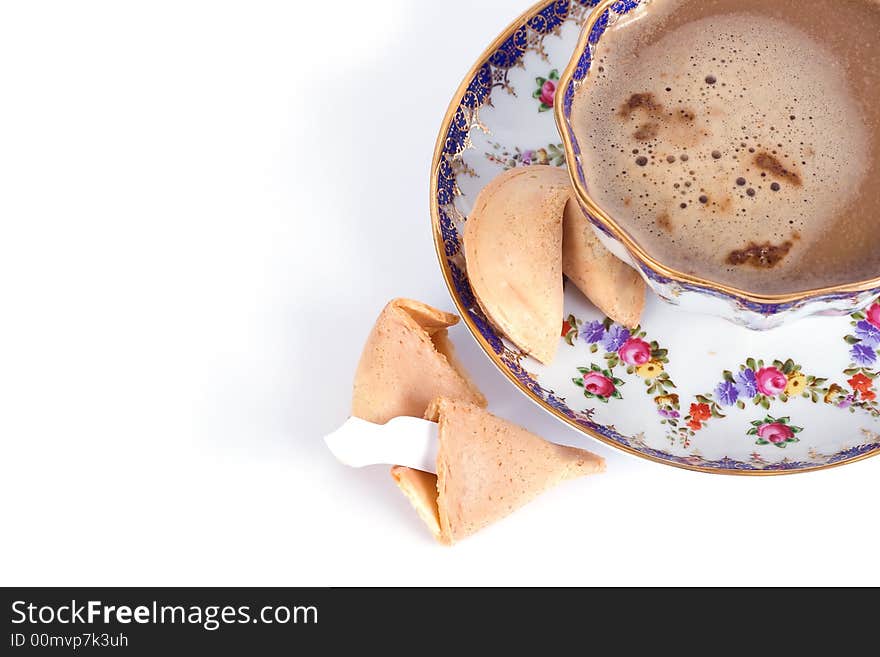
(486, 469)
(406, 362)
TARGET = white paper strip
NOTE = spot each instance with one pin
(405, 441)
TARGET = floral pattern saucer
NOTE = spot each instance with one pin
(687, 390)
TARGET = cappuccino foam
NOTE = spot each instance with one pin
(737, 140)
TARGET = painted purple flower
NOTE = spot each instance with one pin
(527, 157)
(615, 338)
(671, 415)
(867, 332)
(846, 403)
(864, 354)
(747, 384)
(727, 393)
(593, 332)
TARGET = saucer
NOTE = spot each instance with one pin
(712, 396)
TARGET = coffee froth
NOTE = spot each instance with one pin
(739, 140)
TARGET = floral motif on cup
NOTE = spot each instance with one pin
(862, 392)
(598, 383)
(754, 383)
(546, 91)
(779, 432)
(625, 349)
(863, 374)
(551, 154)
(759, 384)
(864, 341)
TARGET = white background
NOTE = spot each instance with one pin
(203, 207)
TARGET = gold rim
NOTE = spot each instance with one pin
(632, 246)
(474, 331)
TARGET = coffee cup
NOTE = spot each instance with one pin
(760, 284)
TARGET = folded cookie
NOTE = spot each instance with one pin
(513, 249)
(486, 469)
(614, 287)
(407, 361)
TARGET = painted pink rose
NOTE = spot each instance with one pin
(873, 315)
(548, 91)
(776, 433)
(635, 352)
(599, 384)
(771, 381)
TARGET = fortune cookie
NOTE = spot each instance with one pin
(614, 287)
(407, 361)
(486, 469)
(513, 249)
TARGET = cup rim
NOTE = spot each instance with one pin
(587, 202)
